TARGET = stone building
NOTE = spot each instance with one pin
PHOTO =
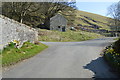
(58, 22)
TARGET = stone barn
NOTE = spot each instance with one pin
(58, 22)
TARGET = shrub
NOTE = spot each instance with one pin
(116, 46)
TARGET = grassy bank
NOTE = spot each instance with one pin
(56, 36)
(12, 55)
(112, 57)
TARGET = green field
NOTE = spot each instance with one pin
(56, 36)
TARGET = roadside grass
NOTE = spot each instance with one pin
(57, 36)
(12, 55)
(117, 38)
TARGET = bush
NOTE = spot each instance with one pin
(116, 46)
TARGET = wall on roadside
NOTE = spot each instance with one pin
(12, 30)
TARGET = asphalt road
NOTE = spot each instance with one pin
(65, 60)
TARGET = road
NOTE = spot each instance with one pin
(65, 60)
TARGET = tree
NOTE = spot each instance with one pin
(31, 13)
(114, 12)
(18, 10)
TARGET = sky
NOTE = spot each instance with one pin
(95, 6)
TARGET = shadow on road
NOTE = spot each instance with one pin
(100, 68)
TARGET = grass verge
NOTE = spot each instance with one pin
(12, 55)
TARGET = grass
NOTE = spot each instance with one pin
(93, 16)
(12, 55)
(117, 38)
(56, 36)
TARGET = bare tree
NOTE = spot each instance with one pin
(114, 12)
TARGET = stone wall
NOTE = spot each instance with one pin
(11, 30)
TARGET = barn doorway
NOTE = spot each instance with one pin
(63, 29)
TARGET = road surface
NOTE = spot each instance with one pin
(65, 60)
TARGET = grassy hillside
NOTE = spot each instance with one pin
(55, 36)
(89, 19)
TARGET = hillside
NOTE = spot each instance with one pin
(89, 21)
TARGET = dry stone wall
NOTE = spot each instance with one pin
(12, 30)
